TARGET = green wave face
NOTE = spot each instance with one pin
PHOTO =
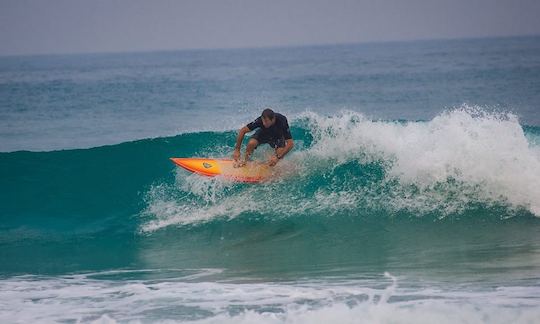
(355, 195)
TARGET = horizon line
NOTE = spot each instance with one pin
(261, 47)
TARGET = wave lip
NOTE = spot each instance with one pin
(487, 152)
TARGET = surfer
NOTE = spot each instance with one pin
(273, 129)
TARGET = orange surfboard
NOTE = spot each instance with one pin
(251, 172)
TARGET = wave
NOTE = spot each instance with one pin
(358, 195)
(462, 163)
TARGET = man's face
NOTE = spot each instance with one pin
(267, 122)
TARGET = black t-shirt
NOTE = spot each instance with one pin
(280, 129)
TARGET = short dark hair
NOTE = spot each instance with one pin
(268, 113)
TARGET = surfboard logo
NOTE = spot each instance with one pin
(207, 165)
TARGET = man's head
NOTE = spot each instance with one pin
(268, 117)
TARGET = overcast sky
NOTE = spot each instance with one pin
(72, 26)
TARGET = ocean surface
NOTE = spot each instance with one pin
(412, 194)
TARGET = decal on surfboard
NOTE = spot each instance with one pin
(207, 165)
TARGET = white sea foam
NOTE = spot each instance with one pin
(487, 153)
(461, 157)
(82, 298)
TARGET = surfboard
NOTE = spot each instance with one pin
(251, 172)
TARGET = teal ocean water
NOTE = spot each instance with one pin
(412, 194)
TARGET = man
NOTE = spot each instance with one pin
(273, 129)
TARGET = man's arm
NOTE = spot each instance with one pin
(241, 133)
(289, 144)
(281, 151)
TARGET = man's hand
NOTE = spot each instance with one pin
(239, 164)
(236, 154)
(273, 160)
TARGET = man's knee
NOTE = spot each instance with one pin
(253, 143)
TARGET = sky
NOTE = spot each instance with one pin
(90, 26)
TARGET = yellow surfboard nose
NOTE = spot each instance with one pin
(207, 167)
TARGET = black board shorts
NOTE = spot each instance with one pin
(267, 138)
